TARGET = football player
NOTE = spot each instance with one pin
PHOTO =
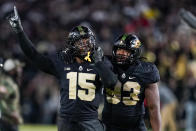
(80, 85)
(126, 85)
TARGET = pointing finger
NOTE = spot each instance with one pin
(15, 12)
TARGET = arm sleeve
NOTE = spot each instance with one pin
(42, 62)
(148, 74)
(153, 75)
(108, 78)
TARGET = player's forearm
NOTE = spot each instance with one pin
(108, 78)
(26, 45)
(153, 102)
(155, 118)
(41, 61)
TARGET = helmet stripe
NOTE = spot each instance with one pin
(81, 30)
(124, 37)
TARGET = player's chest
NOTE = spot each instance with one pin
(80, 82)
(130, 84)
(129, 93)
(125, 78)
(78, 75)
(80, 68)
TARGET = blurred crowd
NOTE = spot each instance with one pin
(168, 42)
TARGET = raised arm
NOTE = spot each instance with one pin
(153, 103)
(42, 62)
(109, 79)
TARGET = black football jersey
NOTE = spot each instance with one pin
(125, 103)
(80, 90)
(80, 86)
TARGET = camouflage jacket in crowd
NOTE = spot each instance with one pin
(9, 100)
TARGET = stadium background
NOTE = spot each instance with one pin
(168, 42)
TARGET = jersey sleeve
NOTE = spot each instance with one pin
(148, 73)
(44, 63)
(104, 69)
(155, 77)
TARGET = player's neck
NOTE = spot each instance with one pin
(78, 60)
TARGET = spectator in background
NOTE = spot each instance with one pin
(190, 106)
(9, 96)
(44, 90)
(168, 108)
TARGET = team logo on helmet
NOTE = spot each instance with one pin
(135, 43)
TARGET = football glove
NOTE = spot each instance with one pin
(66, 55)
(98, 54)
(14, 21)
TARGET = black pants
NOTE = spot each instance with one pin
(135, 125)
(4, 126)
(91, 125)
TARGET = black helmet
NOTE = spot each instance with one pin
(128, 42)
(81, 40)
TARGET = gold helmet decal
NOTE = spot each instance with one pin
(137, 44)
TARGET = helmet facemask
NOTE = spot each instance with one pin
(124, 58)
(82, 42)
(84, 47)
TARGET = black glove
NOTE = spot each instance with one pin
(66, 55)
(14, 21)
(98, 54)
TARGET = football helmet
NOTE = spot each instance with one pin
(131, 44)
(81, 41)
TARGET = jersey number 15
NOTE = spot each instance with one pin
(82, 82)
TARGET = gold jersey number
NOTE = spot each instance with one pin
(82, 82)
(114, 96)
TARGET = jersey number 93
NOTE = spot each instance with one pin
(114, 96)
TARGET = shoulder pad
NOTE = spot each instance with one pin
(147, 72)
